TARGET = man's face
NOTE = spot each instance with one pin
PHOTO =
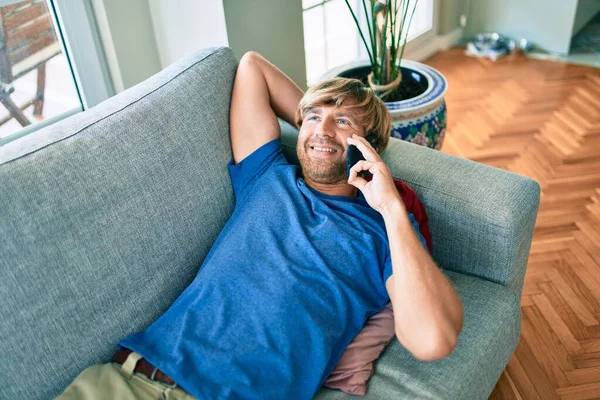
(322, 142)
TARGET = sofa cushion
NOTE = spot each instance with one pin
(490, 334)
(106, 218)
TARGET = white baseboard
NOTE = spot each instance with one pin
(436, 43)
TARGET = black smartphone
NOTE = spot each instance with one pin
(353, 155)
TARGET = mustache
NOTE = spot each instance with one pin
(329, 143)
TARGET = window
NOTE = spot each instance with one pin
(331, 38)
(45, 74)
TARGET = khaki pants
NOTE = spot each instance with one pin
(112, 381)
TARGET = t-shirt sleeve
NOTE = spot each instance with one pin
(387, 267)
(254, 165)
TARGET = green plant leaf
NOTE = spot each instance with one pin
(425, 128)
(413, 130)
(388, 36)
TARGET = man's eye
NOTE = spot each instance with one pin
(343, 121)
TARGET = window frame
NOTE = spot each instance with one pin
(82, 45)
(76, 29)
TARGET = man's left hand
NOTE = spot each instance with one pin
(380, 192)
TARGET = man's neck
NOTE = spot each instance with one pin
(333, 189)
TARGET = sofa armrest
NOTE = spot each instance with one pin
(481, 218)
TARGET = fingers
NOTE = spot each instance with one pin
(372, 166)
(365, 147)
(357, 181)
(362, 165)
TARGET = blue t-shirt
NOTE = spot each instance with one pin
(288, 284)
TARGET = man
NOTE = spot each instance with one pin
(307, 256)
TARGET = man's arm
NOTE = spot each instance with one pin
(261, 93)
(428, 313)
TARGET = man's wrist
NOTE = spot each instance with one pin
(393, 209)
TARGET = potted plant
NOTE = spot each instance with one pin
(412, 91)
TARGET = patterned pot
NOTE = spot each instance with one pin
(420, 120)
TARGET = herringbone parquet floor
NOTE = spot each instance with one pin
(541, 119)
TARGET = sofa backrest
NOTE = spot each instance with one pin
(106, 217)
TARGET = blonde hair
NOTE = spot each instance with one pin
(371, 113)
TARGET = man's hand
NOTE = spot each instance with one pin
(380, 192)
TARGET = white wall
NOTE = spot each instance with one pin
(184, 26)
(547, 23)
(273, 28)
(128, 40)
(450, 11)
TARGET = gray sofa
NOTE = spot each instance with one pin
(106, 217)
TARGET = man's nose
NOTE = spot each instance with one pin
(325, 127)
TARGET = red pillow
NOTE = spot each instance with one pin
(414, 206)
(355, 367)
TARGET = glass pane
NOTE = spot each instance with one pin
(341, 34)
(315, 64)
(35, 77)
(422, 20)
(314, 45)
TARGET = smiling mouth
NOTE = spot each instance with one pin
(323, 149)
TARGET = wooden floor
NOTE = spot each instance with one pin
(541, 119)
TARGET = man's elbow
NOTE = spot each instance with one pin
(433, 349)
(250, 59)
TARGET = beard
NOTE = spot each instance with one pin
(322, 170)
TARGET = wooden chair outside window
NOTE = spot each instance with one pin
(27, 42)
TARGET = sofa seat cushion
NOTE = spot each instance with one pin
(490, 334)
